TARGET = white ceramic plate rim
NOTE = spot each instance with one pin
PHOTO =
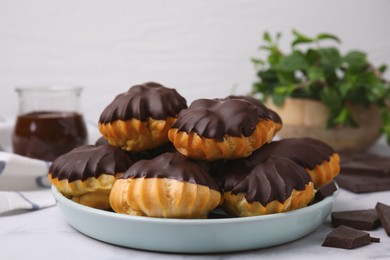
(312, 207)
(194, 235)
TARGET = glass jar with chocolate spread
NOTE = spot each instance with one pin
(49, 123)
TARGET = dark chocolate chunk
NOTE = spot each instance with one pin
(375, 239)
(359, 219)
(218, 214)
(362, 184)
(365, 164)
(325, 191)
(383, 211)
(348, 238)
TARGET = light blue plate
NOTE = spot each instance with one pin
(194, 235)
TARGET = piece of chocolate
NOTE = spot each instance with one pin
(325, 191)
(362, 184)
(216, 214)
(348, 238)
(383, 211)
(360, 219)
(365, 164)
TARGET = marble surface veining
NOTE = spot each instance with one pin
(45, 234)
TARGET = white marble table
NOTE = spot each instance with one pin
(45, 234)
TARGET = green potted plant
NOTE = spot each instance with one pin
(319, 92)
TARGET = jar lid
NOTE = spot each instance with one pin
(48, 88)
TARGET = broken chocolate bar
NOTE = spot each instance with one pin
(348, 238)
(364, 172)
(383, 211)
(365, 164)
(362, 184)
(359, 219)
(325, 191)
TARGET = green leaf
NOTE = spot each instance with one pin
(368, 88)
(286, 77)
(327, 36)
(345, 88)
(331, 98)
(257, 61)
(278, 99)
(268, 75)
(259, 87)
(331, 77)
(382, 68)
(345, 118)
(278, 36)
(385, 114)
(294, 61)
(300, 38)
(284, 90)
(312, 57)
(315, 73)
(330, 57)
(267, 37)
(274, 58)
(356, 60)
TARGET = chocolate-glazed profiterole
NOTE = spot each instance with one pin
(86, 174)
(140, 118)
(318, 158)
(212, 129)
(271, 186)
(168, 186)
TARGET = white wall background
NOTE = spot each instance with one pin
(201, 48)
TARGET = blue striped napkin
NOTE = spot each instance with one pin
(23, 183)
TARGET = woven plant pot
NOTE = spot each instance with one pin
(307, 118)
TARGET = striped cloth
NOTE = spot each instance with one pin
(23, 183)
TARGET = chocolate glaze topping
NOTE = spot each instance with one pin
(151, 153)
(171, 165)
(148, 100)
(90, 161)
(306, 152)
(273, 179)
(263, 111)
(101, 141)
(215, 118)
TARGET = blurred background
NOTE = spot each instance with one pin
(201, 48)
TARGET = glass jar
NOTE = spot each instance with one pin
(49, 123)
